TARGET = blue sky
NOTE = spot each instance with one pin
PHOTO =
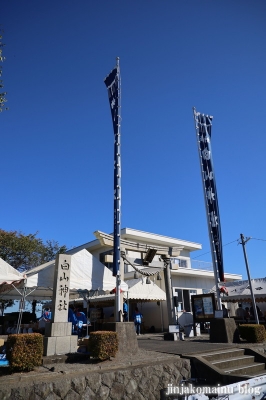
(57, 139)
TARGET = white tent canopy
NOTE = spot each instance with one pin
(87, 273)
(9, 275)
(239, 291)
(138, 290)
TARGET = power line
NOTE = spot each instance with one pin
(210, 251)
(230, 242)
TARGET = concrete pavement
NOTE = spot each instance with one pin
(191, 345)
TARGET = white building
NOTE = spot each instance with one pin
(188, 277)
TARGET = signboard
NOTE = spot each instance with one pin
(95, 314)
(174, 328)
(203, 307)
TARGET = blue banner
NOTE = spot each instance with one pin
(203, 128)
(111, 82)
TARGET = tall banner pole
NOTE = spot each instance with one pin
(113, 84)
(203, 124)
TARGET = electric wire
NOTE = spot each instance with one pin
(263, 240)
(194, 258)
(208, 252)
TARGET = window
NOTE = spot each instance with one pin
(182, 299)
(181, 263)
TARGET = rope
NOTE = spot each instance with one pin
(145, 273)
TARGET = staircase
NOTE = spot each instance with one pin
(228, 366)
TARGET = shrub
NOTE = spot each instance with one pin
(103, 344)
(252, 333)
(24, 351)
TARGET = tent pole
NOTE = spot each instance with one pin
(161, 312)
(87, 316)
(21, 307)
(127, 308)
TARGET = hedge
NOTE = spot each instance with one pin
(24, 351)
(252, 333)
(103, 344)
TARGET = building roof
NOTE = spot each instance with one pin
(239, 291)
(142, 236)
(135, 235)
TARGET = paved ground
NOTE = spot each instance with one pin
(193, 345)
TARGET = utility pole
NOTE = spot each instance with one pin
(243, 242)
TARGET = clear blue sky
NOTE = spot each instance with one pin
(57, 139)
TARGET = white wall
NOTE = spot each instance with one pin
(191, 282)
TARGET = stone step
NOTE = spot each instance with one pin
(229, 365)
(252, 369)
(221, 355)
(234, 362)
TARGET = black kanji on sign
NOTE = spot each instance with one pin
(111, 82)
(62, 305)
(204, 125)
(64, 277)
(63, 290)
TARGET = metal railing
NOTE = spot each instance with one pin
(203, 265)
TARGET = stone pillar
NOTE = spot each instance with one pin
(223, 330)
(168, 291)
(127, 340)
(58, 334)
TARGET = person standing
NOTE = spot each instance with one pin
(137, 320)
(72, 317)
(247, 314)
(81, 319)
(240, 313)
(259, 313)
(125, 311)
(47, 315)
(225, 311)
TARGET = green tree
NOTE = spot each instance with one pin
(24, 252)
(5, 304)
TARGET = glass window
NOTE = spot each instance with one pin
(180, 262)
(183, 263)
(182, 299)
(187, 305)
(178, 299)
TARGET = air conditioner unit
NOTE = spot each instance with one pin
(108, 258)
(175, 266)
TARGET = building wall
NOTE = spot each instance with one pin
(157, 315)
(183, 276)
(191, 282)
